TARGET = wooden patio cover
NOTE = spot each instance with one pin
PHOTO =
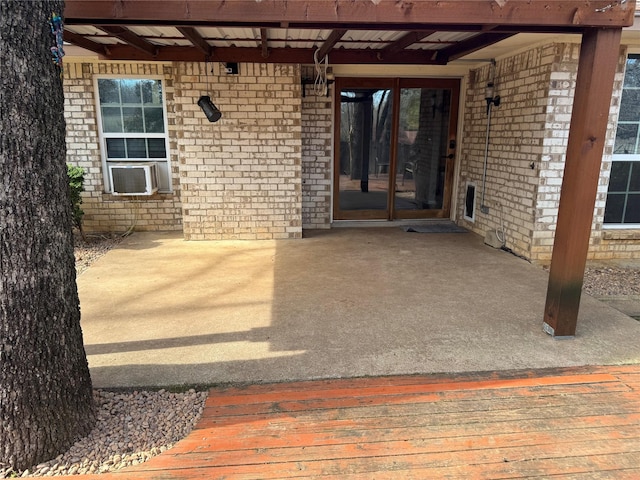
(123, 30)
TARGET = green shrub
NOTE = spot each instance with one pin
(76, 186)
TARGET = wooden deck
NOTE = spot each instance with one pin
(560, 423)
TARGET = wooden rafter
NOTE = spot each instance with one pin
(196, 39)
(461, 49)
(84, 42)
(264, 42)
(341, 13)
(330, 42)
(408, 39)
(132, 39)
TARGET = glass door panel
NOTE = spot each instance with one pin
(365, 146)
(394, 148)
(422, 149)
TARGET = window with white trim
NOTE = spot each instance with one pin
(133, 125)
(623, 197)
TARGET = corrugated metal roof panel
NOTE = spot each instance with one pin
(226, 37)
(155, 31)
(106, 40)
(441, 40)
(172, 42)
(451, 37)
(84, 29)
(298, 38)
(373, 36)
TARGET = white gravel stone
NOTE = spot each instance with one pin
(611, 281)
(112, 444)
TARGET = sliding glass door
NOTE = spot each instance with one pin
(395, 145)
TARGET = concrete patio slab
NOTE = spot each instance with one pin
(159, 311)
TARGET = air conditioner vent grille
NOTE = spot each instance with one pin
(133, 179)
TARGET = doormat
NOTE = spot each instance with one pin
(448, 227)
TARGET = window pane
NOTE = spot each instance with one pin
(130, 90)
(634, 182)
(630, 106)
(153, 120)
(614, 208)
(619, 176)
(152, 92)
(136, 148)
(626, 140)
(132, 117)
(111, 120)
(156, 148)
(632, 72)
(115, 148)
(108, 91)
(632, 212)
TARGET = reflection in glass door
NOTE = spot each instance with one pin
(365, 144)
(422, 151)
(394, 158)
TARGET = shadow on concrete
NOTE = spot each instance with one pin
(339, 303)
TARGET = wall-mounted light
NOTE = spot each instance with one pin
(209, 109)
(491, 97)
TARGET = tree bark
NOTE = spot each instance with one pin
(46, 400)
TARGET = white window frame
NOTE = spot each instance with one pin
(634, 157)
(104, 136)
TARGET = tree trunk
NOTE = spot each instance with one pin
(46, 400)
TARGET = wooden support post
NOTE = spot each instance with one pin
(598, 61)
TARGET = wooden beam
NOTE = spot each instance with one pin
(403, 42)
(132, 39)
(329, 43)
(276, 55)
(84, 42)
(196, 39)
(334, 13)
(472, 45)
(264, 42)
(599, 55)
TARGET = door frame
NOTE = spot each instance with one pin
(396, 84)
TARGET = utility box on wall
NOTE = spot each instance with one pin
(493, 240)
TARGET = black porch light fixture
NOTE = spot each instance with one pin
(490, 96)
(490, 90)
(205, 103)
(209, 109)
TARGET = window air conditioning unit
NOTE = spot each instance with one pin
(133, 179)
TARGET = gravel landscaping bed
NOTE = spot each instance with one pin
(93, 247)
(131, 428)
(135, 426)
(611, 281)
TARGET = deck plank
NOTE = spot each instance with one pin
(557, 423)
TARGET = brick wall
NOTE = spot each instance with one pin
(563, 76)
(105, 212)
(515, 144)
(558, 107)
(240, 177)
(528, 142)
(316, 157)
